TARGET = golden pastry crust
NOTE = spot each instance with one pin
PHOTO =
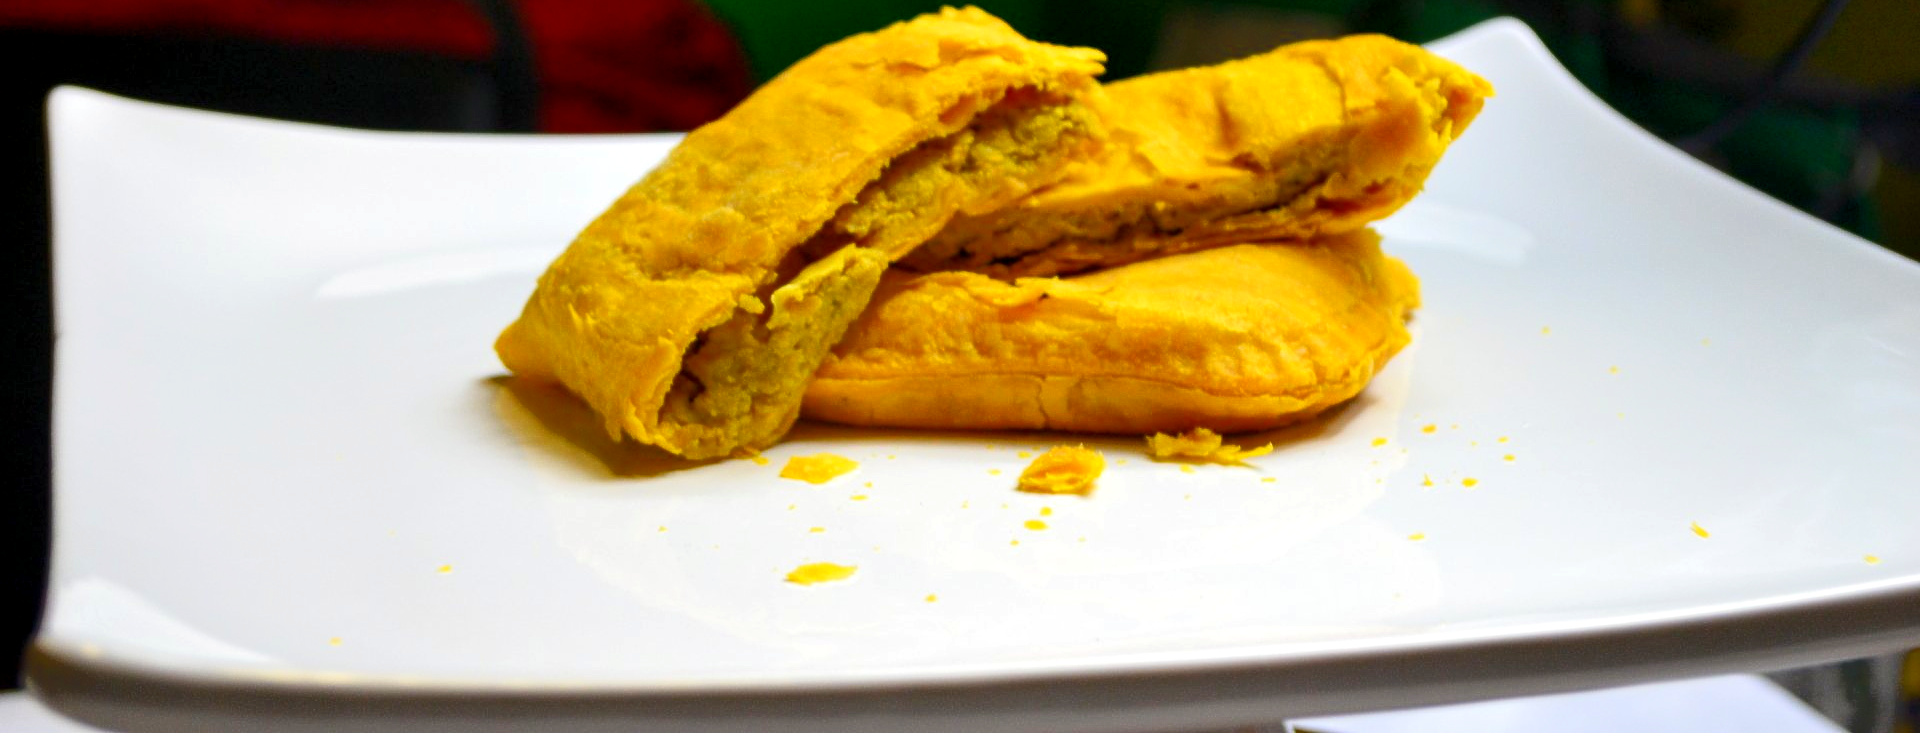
(703, 262)
(1238, 338)
(1313, 138)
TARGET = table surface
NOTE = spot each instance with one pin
(1706, 705)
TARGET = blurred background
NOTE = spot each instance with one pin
(1834, 131)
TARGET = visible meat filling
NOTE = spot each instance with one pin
(1006, 152)
(1043, 241)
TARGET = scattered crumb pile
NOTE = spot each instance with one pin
(1063, 470)
(1200, 444)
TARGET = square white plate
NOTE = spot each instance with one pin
(291, 489)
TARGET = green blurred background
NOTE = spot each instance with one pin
(1671, 65)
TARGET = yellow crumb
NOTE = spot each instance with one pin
(1119, 461)
(1544, 330)
(1501, 439)
(1872, 559)
(1046, 511)
(1063, 470)
(1426, 480)
(789, 508)
(890, 456)
(993, 472)
(1377, 442)
(1268, 480)
(818, 468)
(1082, 539)
(816, 530)
(1186, 468)
(759, 460)
(964, 504)
(1429, 427)
(1024, 454)
(858, 497)
(1200, 444)
(1508, 458)
(1613, 370)
(663, 527)
(1699, 530)
(444, 569)
(931, 598)
(1469, 482)
(1035, 525)
(820, 572)
(1417, 536)
(1015, 543)
(335, 641)
(869, 484)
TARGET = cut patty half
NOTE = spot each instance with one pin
(1311, 139)
(691, 313)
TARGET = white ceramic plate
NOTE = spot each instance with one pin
(291, 488)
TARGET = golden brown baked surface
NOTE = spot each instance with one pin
(1313, 138)
(1238, 338)
(691, 313)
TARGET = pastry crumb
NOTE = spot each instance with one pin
(1200, 444)
(1429, 427)
(759, 460)
(1702, 531)
(932, 597)
(820, 572)
(1417, 536)
(1063, 470)
(818, 468)
(1872, 559)
(1469, 482)
(1035, 525)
